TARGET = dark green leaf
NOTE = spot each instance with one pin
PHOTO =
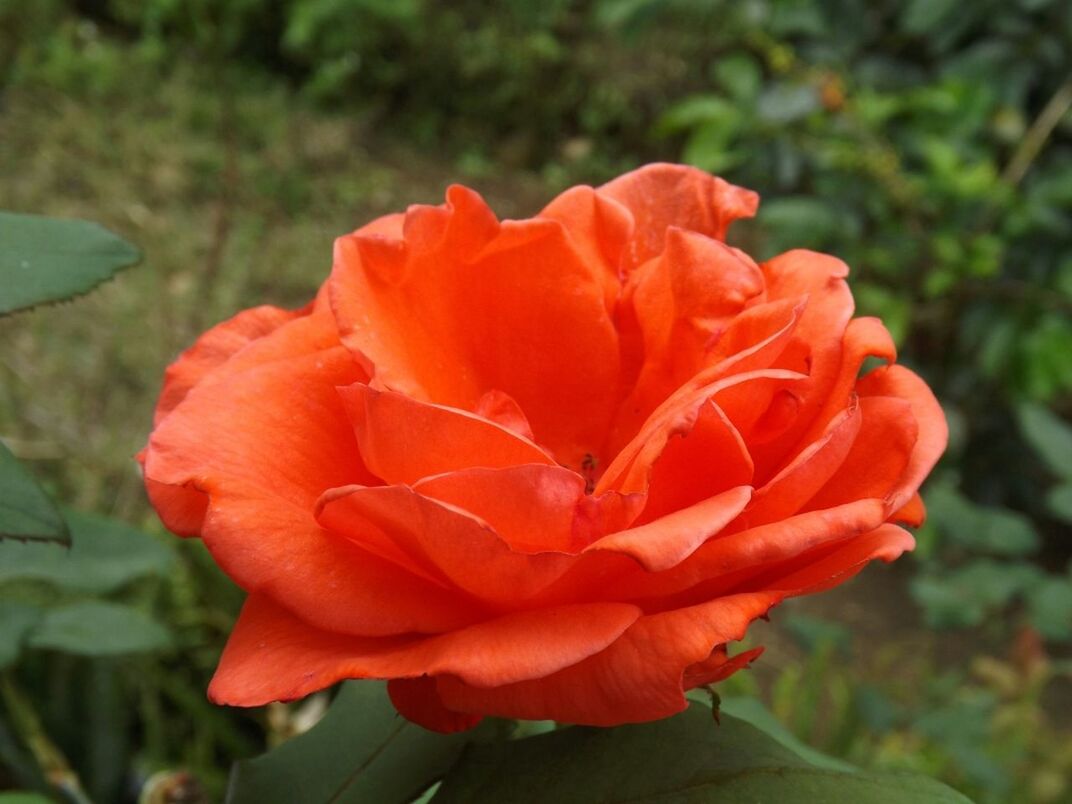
(1050, 606)
(362, 751)
(95, 628)
(1059, 500)
(982, 529)
(105, 554)
(753, 712)
(687, 758)
(1050, 436)
(740, 76)
(924, 16)
(803, 222)
(700, 109)
(26, 512)
(965, 596)
(16, 622)
(46, 260)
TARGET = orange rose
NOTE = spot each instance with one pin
(544, 468)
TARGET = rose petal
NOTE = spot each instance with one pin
(897, 381)
(747, 394)
(445, 543)
(465, 304)
(683, 300)
(182, 509)
(817, 342)
(663, 195)
(912, 514)
(303, 659)
(753, 342)
(532, 507)
(268, 545)
(886, 543)
(879, 455)
(418, 701)
(721, 564)
(637, 678)
(213, 349)
(666, 542)
(864, 338)
(808, 472)
(403, 440)
(706, 461)
(718, 667)
(264, 472)
(503, 409)
(600, 229)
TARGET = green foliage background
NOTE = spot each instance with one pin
(927, 142)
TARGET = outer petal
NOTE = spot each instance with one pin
(830, 568)
(719, 565)
(263, 472)
(417, 700)
(638, 678)
(897, 381)
(214, 348)
(817, 342)
(403, 440)
(878, 457)
(864, 338)
(273, 655)
(663, 195)
(182, 509)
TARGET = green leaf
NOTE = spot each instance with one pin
(1059, 501)
(1050, 606)
(95, 628)
(924, 16)
(982, 529)
(699, 109)
(361, 751)
(753, 712)
(16, 622)
(1050, 436)
(803, 221)
(105, 555)
(26, 512)
(966, 595)
(24, 798)
(687, 758)
(740, 76)
(49, 259)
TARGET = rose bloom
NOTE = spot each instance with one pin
(545, 468)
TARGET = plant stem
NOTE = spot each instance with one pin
(49, 758)
(1036, 136)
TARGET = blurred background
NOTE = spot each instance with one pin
(928, 143)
